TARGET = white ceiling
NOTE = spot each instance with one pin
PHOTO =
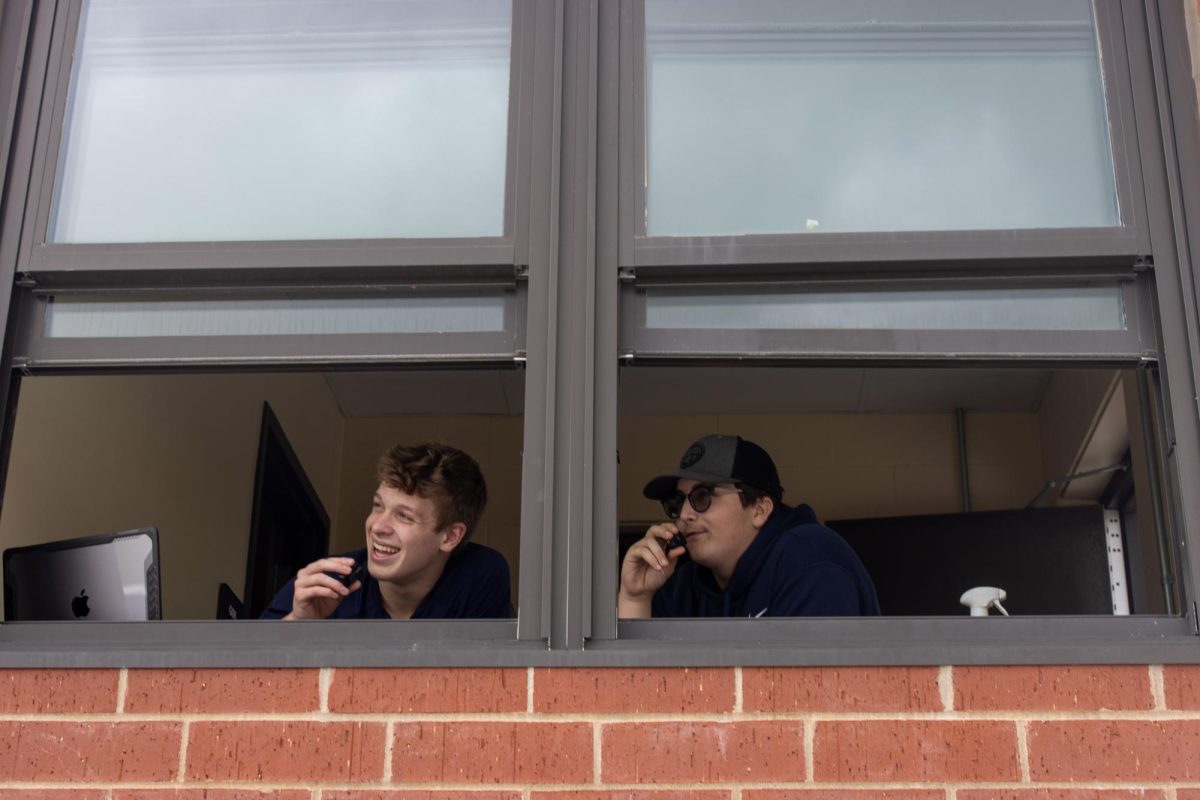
(705, 390)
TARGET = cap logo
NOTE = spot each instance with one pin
(694, 454)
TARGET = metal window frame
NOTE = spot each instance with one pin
(453, 256)
(1150, 54)
(964, 252)
(518, 266)
(33, 351)
(638, 343)
(578, 126)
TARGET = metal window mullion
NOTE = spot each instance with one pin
(575, 352)
(1153, 46)
(609, 103)
(538, 489)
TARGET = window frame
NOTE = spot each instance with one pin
(1015, 258)
(452, 256)
(576, 135)
(966, 251)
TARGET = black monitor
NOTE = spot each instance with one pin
(112, 577)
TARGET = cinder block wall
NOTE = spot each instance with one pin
(920, 733)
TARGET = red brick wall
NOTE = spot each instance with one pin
(919, 733)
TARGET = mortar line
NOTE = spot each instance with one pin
(294, 785)
(184, 735)
(1157, 688)
(597, 751)
(1023, 750)
(739, 697)
(735, 793)
(324, 680)
(1004, 715)
(1172, 793)
(315, 794)
(810, 736)
(529, 690)
(951, 793)
(389, 749)
(122, 688)
(945, 682)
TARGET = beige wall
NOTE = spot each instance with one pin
(853, 465)
(100, 454)
(1070, 411)
(494, 441)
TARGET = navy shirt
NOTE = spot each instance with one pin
(795, 567)
(474, 585)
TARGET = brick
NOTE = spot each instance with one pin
(687, 752)
(175, 691)
(634, 794)
(633, 690)
(1187, 794)
(402, 794)
(211, 794)
(333, 752)
(492, 752)
(1125, 688)
(1114, 750)
(845, 794)
(52, 794)
(841, 689)
(1181, 684)
(921, 750)
(470, 691)
(58, 691)
(1062, 794)
(89, 751)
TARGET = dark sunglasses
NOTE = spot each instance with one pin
(700, 498)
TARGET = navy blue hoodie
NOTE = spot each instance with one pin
(795, 567)
(474, 584)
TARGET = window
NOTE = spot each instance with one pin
(768, 118)
(319, 121)
(578, 229)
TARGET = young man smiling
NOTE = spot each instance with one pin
(750, 555)
(418, 562)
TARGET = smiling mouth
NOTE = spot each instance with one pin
(383, 551)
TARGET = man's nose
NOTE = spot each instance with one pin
(687, 512)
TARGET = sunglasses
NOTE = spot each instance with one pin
(700, 498)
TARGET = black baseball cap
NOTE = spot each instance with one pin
(721, 459)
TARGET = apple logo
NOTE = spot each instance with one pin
(79, 605)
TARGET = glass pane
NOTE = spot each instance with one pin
(209, 121)
(767, 117)
(100, 318)
(1079, 308)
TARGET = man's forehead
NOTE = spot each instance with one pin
(391, 496)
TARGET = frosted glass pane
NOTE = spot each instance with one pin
(810, 116)
(209, 120)
(1089, 308)
(272, 317)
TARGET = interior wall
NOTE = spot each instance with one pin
(494, 441)
(97, 454)
(1070, 410)
(849, 466)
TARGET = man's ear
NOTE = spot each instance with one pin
(761, 511)
(452, 534)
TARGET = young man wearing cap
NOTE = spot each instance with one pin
(417, 563)
(750, 555)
